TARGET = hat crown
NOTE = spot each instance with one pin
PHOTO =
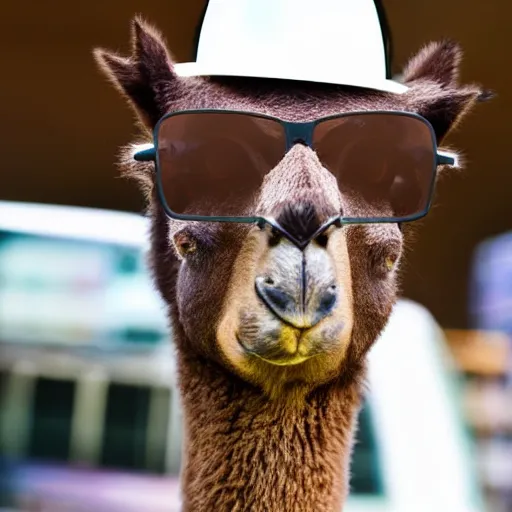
(325, 41)
(316, 35)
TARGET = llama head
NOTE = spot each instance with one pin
(278, 314)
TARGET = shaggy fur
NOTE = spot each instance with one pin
(259, 436)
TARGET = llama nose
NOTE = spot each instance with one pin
(301, 292)
(293, 311)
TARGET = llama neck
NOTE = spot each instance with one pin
(245, 452)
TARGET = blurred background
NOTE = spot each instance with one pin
(86, 380)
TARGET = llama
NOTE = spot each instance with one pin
(271, 395)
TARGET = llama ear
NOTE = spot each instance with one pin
(146, 77)
(437, 62)
(434, 93)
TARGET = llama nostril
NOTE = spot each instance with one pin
(276, 299)
(280, 300)
(326, 302)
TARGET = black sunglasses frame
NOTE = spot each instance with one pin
(296, 133)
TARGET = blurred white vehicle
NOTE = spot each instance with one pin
(77, 309)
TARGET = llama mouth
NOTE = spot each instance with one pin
(277, 343)
(276, 357)
(281, 361)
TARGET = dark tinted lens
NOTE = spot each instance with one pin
(383, 163)
(214, 163)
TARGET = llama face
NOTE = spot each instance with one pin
(287, 306)
(245, 296)
(270, 311)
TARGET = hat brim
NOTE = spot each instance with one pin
(264, 70)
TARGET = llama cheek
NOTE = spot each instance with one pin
(343, 268)
(240, 295)
(332, 337)
(231, 350)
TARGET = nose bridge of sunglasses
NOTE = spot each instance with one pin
(299, 133)
(302, 243)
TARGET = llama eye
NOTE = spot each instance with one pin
(185, 243)
(384, 258)
(390, 262)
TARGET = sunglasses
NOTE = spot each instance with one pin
(210, 164)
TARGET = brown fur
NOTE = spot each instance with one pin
(260, 436)
(250, 453)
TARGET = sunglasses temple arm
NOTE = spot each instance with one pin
(145, 153)
(148, 154)
(446, 158)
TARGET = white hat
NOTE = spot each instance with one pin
(328, 41)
